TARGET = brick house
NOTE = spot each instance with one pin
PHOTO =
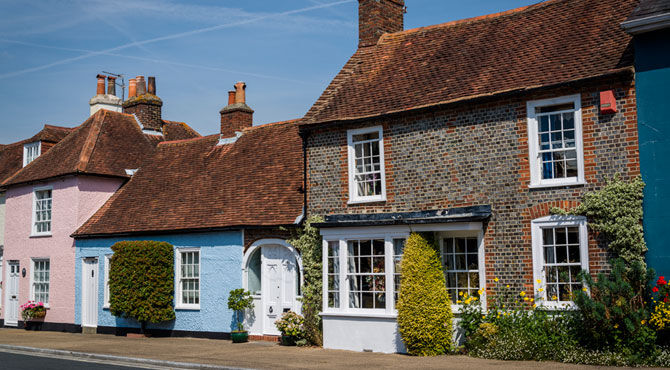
(57, 190)
(470, 130)
(220, 200)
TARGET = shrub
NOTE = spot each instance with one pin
(291, 324)
(240, 300)
(141, 281)
(424, 306)
(308, 242)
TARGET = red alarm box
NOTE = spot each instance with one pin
(607, 102)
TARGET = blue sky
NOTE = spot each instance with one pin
(286, 51)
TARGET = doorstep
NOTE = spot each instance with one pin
(265, 338)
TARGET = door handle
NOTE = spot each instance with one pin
(13, 297)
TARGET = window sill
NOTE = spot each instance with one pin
(188, 308)
(363, 201)
(40, 235)
(557, 185)
(380, 315)
(105, 307)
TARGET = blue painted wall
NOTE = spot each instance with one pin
(652, 79)
(220, 271)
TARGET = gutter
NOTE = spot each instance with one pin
(174, 231)
(647, 24)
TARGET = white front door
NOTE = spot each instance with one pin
(12, 305)
(279, 285)
(89, 292)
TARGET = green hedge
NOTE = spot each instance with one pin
(141, 281)
(424, 306)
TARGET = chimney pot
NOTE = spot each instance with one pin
(231, 97)
(132, 88)
(141, 85)
(240, 97)
(101, 85)
(111, 85)
(151, 89)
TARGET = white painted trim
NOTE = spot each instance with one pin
(105, 281)
(534, 162)
(353, 198)
(37, 144)
(335, 233)
(32, 278)
(178, 304)
(33, 220)
(538, 255)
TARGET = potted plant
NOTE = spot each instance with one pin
(33, 315)
(291, 327)
(240, 300)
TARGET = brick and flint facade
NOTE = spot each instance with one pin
(462, 155)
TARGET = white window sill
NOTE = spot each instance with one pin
(366, 200)
(378, 314)
(189, 308)
(45, 235)
(558, 306)
(105, 307)
(557, 184)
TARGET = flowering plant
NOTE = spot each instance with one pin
(660, 316)
(290, 324)
(31, 310)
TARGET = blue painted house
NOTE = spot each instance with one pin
(650, 26)
(225, 202)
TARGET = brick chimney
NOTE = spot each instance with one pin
(144, 103)
(101, 100)
(376, 17)
(237, 114)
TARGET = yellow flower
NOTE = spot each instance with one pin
(496, 280)
(483, 316)
(460, 293)
(539, 281)
(643, 322)
(525, 298)
(506, 286)
(616, 326)
(532, 299)
(474, 298)
(540, 290)
(584, 289)
(554, 298)
(459, 301)
(534, 305)
(480, 291)
(522, 294)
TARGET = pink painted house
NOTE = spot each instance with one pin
(56, 192)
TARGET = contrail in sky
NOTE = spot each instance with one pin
(169, 37)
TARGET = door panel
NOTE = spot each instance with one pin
(12, 313)
(278, 279)
(89, 300)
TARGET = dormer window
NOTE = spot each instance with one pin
(31, 151)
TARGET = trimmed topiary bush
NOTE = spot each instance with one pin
(141, 281)
(424, 306)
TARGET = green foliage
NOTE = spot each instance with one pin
(424, 306)
(615, 314)
(141, 281)
(291, 324)
(308, 242)
(238, 301)
(615, 211)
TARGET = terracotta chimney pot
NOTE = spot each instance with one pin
(101, 85)
(239, 92)
(132, 88)
(141, 85)
(151, 89)
(111, 85)
(231, 97)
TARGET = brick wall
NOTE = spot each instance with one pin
(252, 235)
(475, 154)
(376, 17)
(235, 120)
(147, 108)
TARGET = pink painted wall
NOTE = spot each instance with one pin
(75, 199)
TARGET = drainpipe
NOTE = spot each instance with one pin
(304, 135)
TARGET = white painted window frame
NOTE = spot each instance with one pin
(353, 194)
(33, 225)
(534, 161)
(178, 304)
(105, 281)
(538, 255)
(388, 233)
(27, 147)
(32, 279)
(481, 259)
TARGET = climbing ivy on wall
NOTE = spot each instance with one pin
(615, 212)
(308, 242)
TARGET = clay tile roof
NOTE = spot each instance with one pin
(649, 8)
(11, 155)
(106, 144)
(545, 44)
(173, 130)
(195, 184)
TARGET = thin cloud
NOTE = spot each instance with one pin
(170, 37)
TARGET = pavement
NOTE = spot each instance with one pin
(209, 353)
